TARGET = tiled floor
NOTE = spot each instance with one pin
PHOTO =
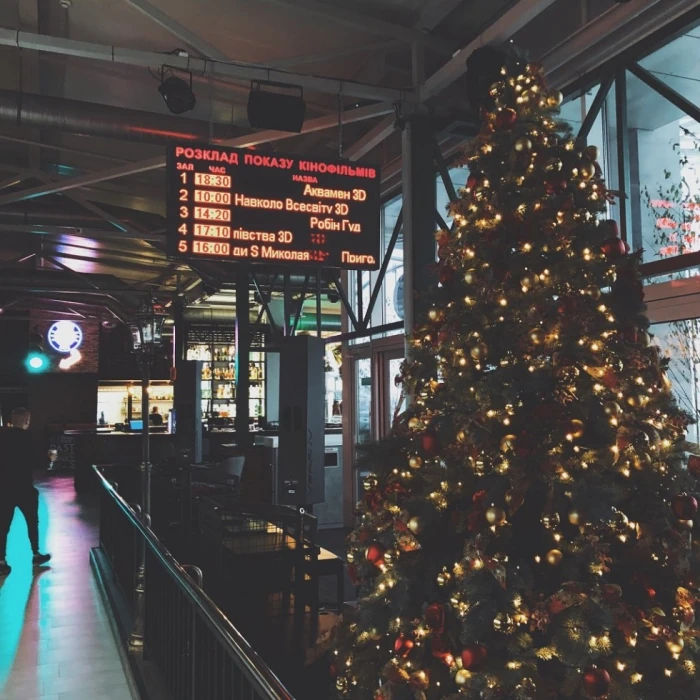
(55, 638)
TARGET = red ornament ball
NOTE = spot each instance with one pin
(403, 646)
(684, 507)
(474, 657)
(614, 248)
(596, 682)
(445, 275)
(430, 443)
(375, 553)
(472, 181)
(506, 118)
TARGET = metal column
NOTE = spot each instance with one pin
(419, 204)
(623, 154)
(242, 421)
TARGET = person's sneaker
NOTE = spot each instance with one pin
(4, 569)
(39, 559)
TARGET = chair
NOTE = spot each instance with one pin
(228, 472)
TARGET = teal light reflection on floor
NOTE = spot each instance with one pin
(15, 591)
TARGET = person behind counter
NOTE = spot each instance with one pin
(16, 486)
(155, 418)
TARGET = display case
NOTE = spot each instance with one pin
(216, 349)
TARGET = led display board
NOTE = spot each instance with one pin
(232, 204)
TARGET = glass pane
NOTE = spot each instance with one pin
(665, 155)
(396, 395)
(363, 371)
(680, 341)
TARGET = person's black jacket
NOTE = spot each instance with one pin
(16, 460)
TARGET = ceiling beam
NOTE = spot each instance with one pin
(92, 233)
(338, 52)
(365, 23)
(435, 12)
(522, 13)
(178, 30)
(202, 66)
(318, 124)
(380, 131)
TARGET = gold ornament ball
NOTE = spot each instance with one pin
(370, 482)
(508, 443)
(415, 462)
(592, 153)
(612, 409)
(503, 623)
(593, 291)
(575, 517)
(586, 170)
(675, 644)
(642, 460)
(495, 515)
(470, 276)
(436, 314)
(576, 427)
(537, 336)
(341, 683)
(415, 525)
(551, 520)
(462, 677)
(554, 557)
(555, 98)
(415, 423)
(479, 351)
(523, 144)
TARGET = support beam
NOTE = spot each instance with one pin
(674, 97)
(365, 23)
(419, 207)
(318, 124)
(617, 29)
(522, 13)
(623, 155)
(203, 67)
(594, 111)
(178, 30)
(378, 133)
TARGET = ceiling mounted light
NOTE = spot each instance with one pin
(178, 95)
(276, 106)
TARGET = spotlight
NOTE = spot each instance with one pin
(273, 108)
(176, 92)
(36, 360)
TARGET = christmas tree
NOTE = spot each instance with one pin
(526, 531)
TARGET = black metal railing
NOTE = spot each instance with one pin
(199, 653)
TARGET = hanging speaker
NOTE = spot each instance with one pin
(276, 106)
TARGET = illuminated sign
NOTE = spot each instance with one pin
(230, 204)
(65, 336)
(70, 360)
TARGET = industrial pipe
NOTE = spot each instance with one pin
(90, 119)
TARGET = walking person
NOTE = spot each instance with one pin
(16, 485)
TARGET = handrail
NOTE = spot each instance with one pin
(214, 617)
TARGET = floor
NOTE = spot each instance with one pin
(55, 639)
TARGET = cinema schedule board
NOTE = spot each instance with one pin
(232, 204)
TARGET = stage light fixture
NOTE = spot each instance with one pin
(36, 360)
(177, 94)
(276, 106)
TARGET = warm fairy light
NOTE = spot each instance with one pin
(668, 672)
(636, 678)
(503, 301)
(620, 666)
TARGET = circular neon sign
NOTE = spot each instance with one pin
(65, 336)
